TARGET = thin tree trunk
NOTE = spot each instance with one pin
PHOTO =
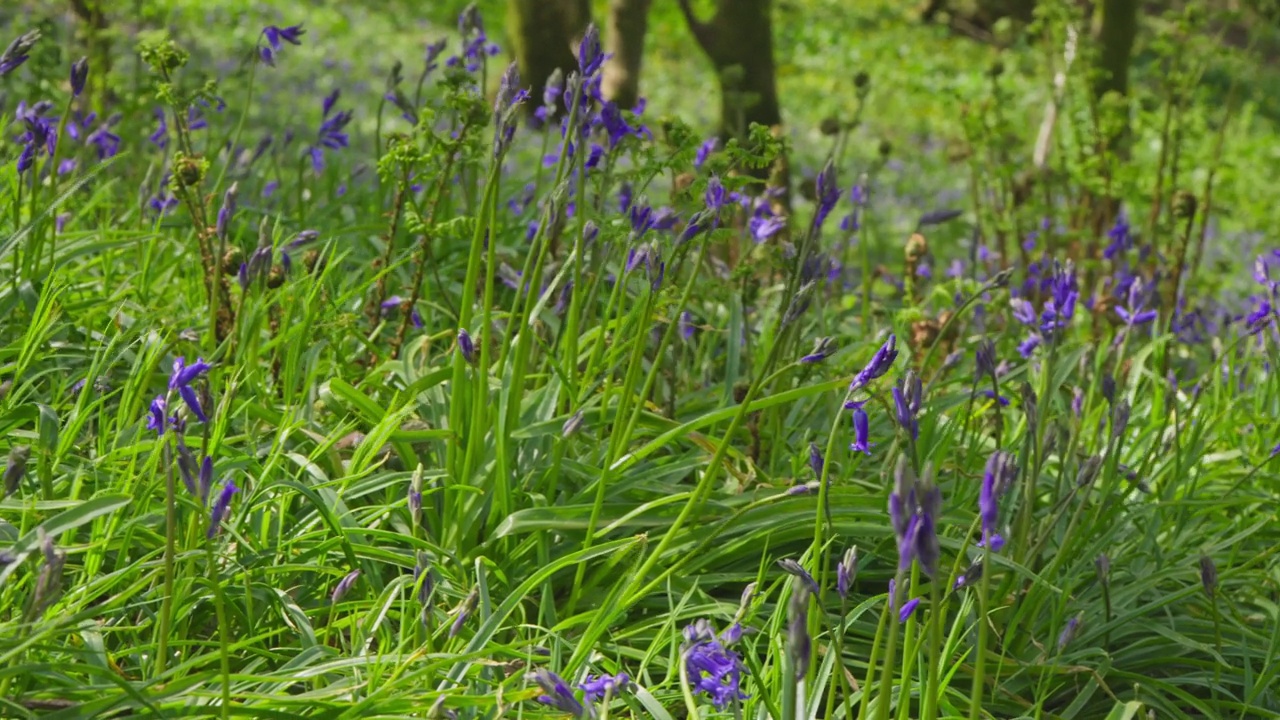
(627, 24)
(544, 34)
(1115, 29)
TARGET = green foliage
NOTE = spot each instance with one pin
(543, 448)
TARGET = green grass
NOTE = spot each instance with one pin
(689, 477)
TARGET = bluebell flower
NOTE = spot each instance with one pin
(17, 51)
(332, 133)
(182, 377)
(712, 667)
(344, 586)
(1134, 313)
(79, 75)
(879, 364)
(160, 137)
(467, 347)
(795, 569)
(596, 688)
(687, 327)
(156, 420)
(828, 194)
(908, 608)
(1119, 238)
(823, 348)
(590, 56)
(273, 36)
(556, 693)
(861, 430)
(476, 46)
(847, 571)
(1069, 632)
(707, 147)
(220, 506)
(816, 461)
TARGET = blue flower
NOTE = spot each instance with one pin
(332, 133)
(879, 364)
(712, 668)
(220, 506)
(182, 377)
(17, 52)
(556, 693)
(704, 151)
(274, 35)
(596, 688)
(860, 430)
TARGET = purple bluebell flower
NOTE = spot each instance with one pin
(227, 210)
(688, 329)
(332, 133)
(589, 232)
(1119, 238)
(969, 577)
(816, 461)
(270, 188)
(344, 586)
(273, 35)
(506, 103)
(928, 550)
(988, 507)
(879, 364)
(847, 572)
(220, 505)
(1134, 313)
(424, 584)
(861, 430)
(712, 668)
(1069, 632)
(906, 401)
(467, 347)
(79, 74)
(597, 688)
(590, 56)
(204, 481)
(1260, 319)
(908, 608)
(556, 693)
(464, 613)
(707, 147)
(763, 227)
(156, 417)
(160, 137)
(182, 377)
(828, 194)
(476, 46)
(41, 137)
(823, 348)
(17, 51)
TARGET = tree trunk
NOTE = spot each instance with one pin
(624, 38)
(1116, 27)
(545, 34)
(739, 42)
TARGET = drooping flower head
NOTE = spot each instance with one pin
(274, 35)
(556, 693)
(18, 51)
(879, 364)
(847, 571)
(596, 688)
(344, 586)
(182, 377)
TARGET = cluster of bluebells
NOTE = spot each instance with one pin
(711, 665)
(997, 478)
(1062, 294)
(331, 135)
(557, 694)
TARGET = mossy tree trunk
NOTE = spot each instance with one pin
(545, 34)
(1116, 27)
(624, 38)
